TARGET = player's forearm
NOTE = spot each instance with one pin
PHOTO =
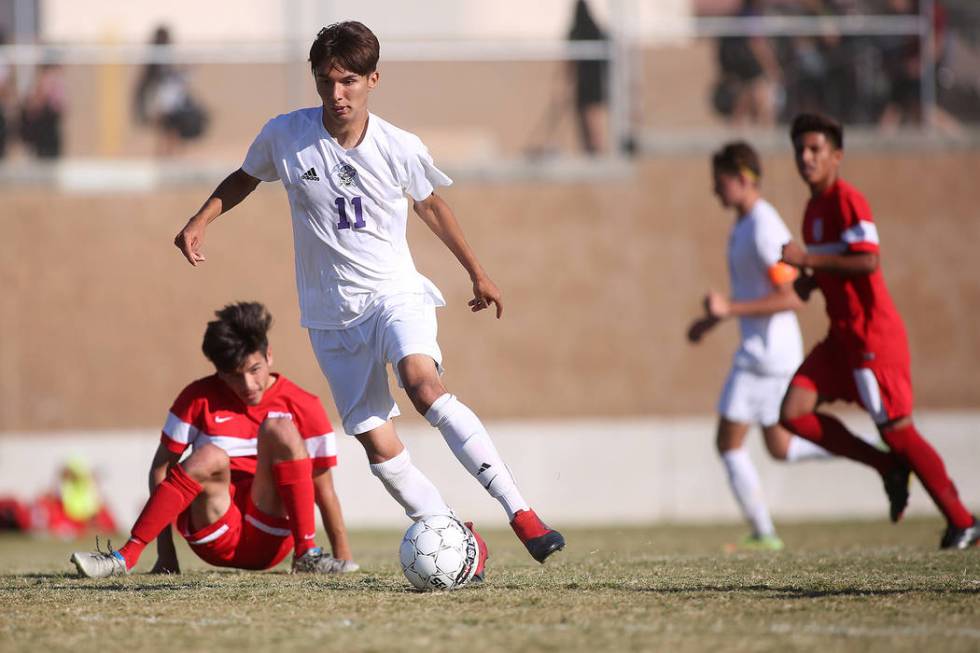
(166, 551)
(158, 472)
(333, 522)
(327, 502)
(230, 192)
(845, 265)
(443, 223)
(775, 302)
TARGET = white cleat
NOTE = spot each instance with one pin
(315, 561)
(99, 564)
(347, 566)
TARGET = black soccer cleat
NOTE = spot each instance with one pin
(961, 538)
(539, 540)
(542, 547)
(896, 483)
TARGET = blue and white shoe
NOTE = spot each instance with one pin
(99, 564)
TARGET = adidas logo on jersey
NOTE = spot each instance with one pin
(310, 175)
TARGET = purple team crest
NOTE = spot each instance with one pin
(346, 173)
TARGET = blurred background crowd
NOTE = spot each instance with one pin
(629, 69)
(861, 78)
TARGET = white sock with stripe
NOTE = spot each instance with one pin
(472, 446)
(744, 481)
(410, 487)
(802, 449)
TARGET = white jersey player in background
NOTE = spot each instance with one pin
(771, 348)
(348, 175)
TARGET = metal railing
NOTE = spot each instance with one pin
(618, 51)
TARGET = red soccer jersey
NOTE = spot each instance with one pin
(209, 412)
(863, 317)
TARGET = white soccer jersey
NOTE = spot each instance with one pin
(349, 212)
(770, 344)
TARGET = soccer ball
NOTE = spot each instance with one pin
(438, 553)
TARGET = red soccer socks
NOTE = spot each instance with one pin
(833, 436)
(294, 480)
(168, 500)
(908, 444)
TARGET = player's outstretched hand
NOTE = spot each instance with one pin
(485, 292)
(190, 240)
(716, 305)
(700, 327)
(794, 255)
(166, 567)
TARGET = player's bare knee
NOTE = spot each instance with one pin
(280, 436)
(206, 462)
(723, 442)
(789, 411)
(777, 449)
(424, 393)
(799, 401)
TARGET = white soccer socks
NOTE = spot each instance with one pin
(472, 446)
(802, 449)
(744, 481)
(410, 487)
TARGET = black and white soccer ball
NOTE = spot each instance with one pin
(438, 553)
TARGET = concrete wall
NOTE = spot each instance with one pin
(596, 471)
(101, 319)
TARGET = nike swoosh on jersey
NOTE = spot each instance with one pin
(222, 420)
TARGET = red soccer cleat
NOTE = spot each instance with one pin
(539, 540)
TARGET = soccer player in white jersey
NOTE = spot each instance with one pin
(763, 300)
(348, 175)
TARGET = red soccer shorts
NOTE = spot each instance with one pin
(883, 389)
(245, 537)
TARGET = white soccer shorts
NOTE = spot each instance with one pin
(752, 398)
(355, 360)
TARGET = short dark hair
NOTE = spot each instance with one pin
(736, 158)
(805, 123)
(240, 331)
(350, 45)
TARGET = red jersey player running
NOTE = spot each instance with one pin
(865, 356)
(262, 452)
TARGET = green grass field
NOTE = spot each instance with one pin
(847, 586)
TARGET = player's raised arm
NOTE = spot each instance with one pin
(327, 502)
(230, 192)
(437, 215)
(847, 264)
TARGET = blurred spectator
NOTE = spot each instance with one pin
(6, 93)
(163, 100)
(40, 113)
(903, 66)
(591, 83)
(72, 509)
(815, 73)
(750, 87)
(15, 515)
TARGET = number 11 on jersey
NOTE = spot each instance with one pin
(344, 223)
